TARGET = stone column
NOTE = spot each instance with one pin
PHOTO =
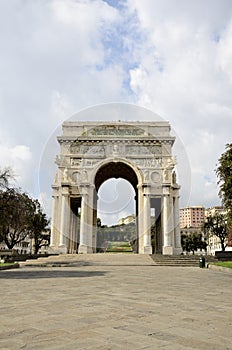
(140, 221)
(167, 219)
(166, 237)
(72, 241)
(94, 240)
(147, 224)
(83, 220)
(64, 222)
(177, 235)
(54, 225)
(86, 224)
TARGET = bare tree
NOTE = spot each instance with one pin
(6, 174)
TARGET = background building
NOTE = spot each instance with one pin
(191, 220)
(127, 220)
(192, 216)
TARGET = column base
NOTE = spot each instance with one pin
(62, 249)
(84, 249)
(52, 250)
(147, 250)
(177, 251)
(168, 250)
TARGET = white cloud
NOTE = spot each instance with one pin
(174, 57)
(19, 159)
(225, 51)
(184, 74)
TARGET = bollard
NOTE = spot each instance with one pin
(202, 262)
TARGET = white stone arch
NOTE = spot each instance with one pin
(86, 147)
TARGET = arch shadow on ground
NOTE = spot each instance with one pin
(37, 274)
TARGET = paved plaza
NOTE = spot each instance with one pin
(115, 307)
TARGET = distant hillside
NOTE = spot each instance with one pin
(116, 233)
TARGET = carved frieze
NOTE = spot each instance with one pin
(148, 162)
(99, 149)
(75, 148)
(140, 149)
(62, 161)
(75, 161)
(89, 162)
(116, 131)
(137, 150)
(86, 149)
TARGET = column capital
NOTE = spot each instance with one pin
(65, 192)
(55, 187)
(166, 191)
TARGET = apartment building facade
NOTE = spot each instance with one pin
(193, 216)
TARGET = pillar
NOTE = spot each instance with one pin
(168, 234)
(86, 222)
(147, 224)
(177, 235)
(54, 225)
(140, 221)
(94, 238)
(64, 222)
(73, 233)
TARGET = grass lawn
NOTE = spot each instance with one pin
(6, 264)
(224, 264)
(119, 247)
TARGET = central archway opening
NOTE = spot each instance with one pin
(116, 187)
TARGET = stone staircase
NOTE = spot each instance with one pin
(119, 259)
(100, 259)
(179, 260)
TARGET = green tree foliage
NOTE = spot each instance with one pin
(193, 241)
(217, 225)
(16, 210)
(39, 227)
(224, 173)
(153, 237)
(99, 222)
(22, 217)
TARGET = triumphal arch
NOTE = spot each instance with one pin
(93, 152)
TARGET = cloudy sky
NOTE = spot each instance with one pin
(59, 57)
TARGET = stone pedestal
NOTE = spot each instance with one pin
(84, 249)
(177, 251)
(168, 250)
(148, 250)
(62, 249)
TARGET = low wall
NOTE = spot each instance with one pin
(224, 256)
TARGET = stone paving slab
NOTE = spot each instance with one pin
(115, 307)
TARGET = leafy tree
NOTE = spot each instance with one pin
(217, 225)
(99, 222)
(39, 227)
(21, 217)
(224, 173)
(193, 241)
(153, 237)
(16, 210)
